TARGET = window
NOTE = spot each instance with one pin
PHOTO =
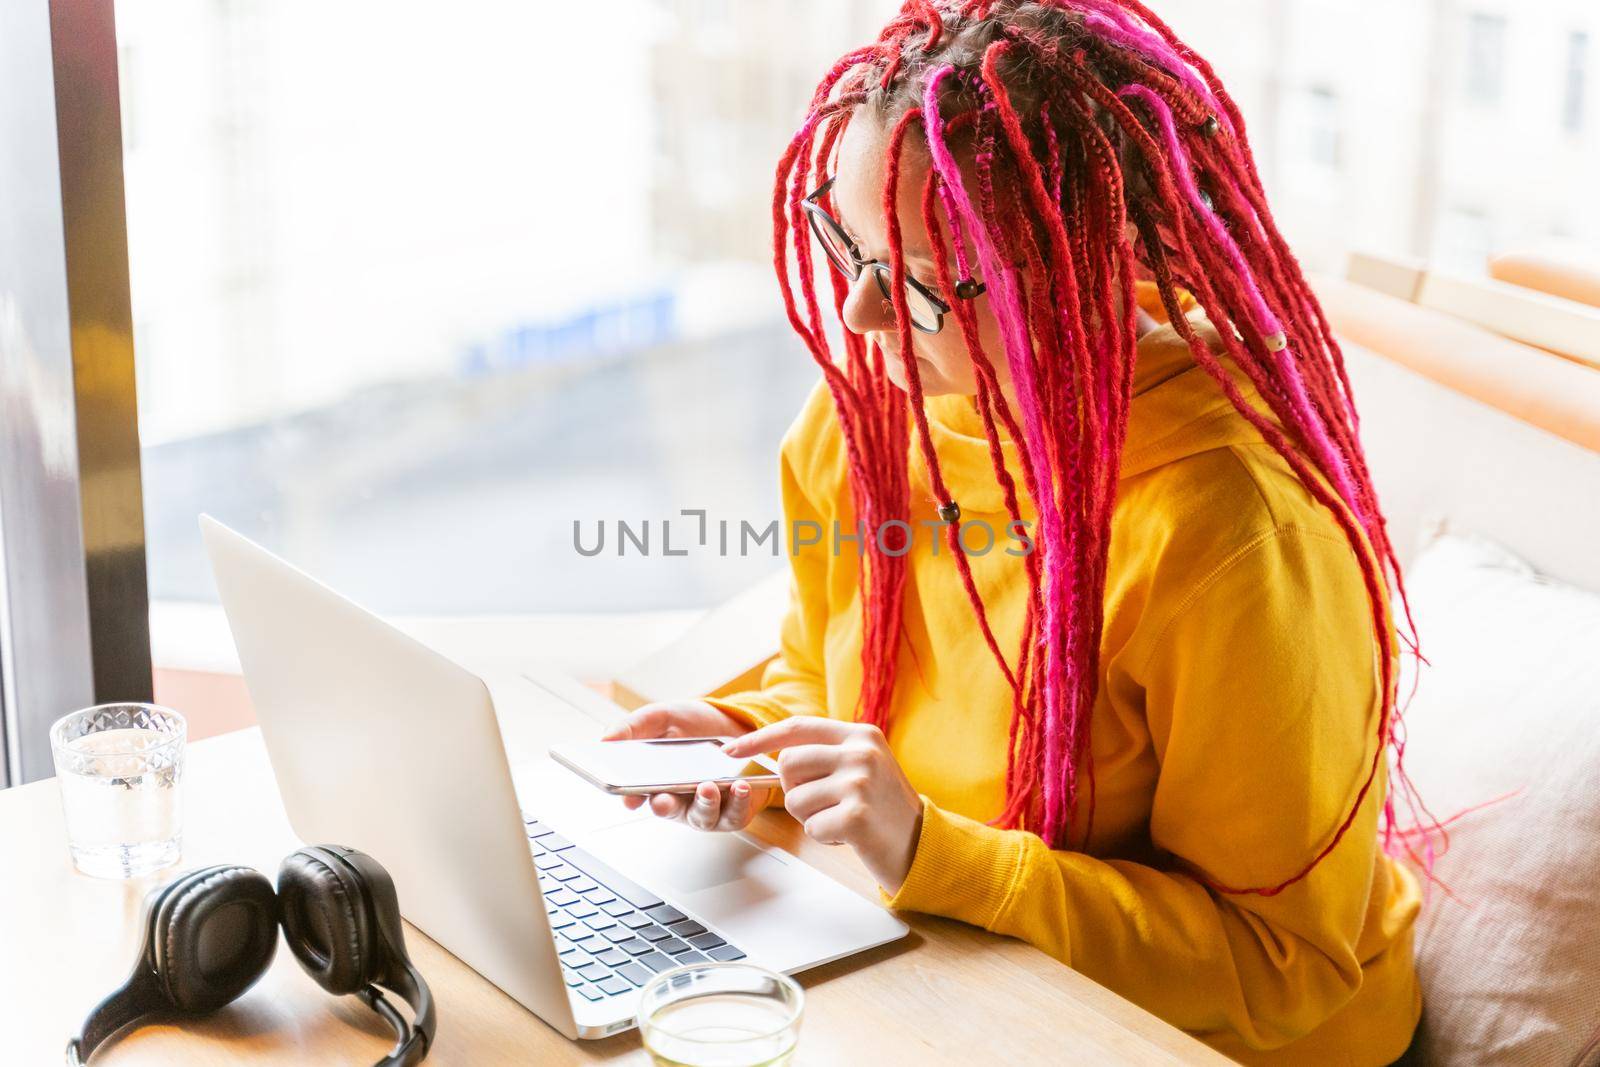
(1325, 138)
(1577, 82)
(1486, 47)
(415, 295)
(1464, 240)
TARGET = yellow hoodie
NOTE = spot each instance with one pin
(1235, 722)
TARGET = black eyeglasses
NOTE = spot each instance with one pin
(927, 310)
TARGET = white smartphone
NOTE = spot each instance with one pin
(662, 765)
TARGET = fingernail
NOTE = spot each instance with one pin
(741, 788)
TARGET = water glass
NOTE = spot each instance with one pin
(720, 1015)
(120, 769)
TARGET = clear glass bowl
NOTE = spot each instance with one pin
(720, 1015)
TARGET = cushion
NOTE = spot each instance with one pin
(1508, 951)
(1567, 276)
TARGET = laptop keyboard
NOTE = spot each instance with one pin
(612, 934)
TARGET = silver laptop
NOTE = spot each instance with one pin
(546, 886)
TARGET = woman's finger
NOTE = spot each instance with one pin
(804, 801)
(705, 808)
(632, 801)
(830, 825)
(805, 763)
(668, 805)
(736, 811)
(652, 720)
(795, 730)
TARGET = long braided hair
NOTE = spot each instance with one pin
(1076, 117)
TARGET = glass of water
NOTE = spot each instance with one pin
(720, 1015)
(120, 769)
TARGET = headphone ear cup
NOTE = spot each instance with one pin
(214, 932)
(324, 911)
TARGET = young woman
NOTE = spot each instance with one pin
(1095, 648)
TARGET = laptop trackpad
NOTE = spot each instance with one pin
(677, 860)
(767, 902)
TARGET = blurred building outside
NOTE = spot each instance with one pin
(415, 292)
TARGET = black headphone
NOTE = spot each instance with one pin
(210, 933)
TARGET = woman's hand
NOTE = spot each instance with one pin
(708, 809)
(845, 786)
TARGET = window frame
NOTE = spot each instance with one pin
(74, 611)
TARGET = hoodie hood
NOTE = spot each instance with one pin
(1177, 411)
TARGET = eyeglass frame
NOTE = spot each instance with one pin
(816, 214)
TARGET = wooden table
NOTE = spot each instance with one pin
(945, 994)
